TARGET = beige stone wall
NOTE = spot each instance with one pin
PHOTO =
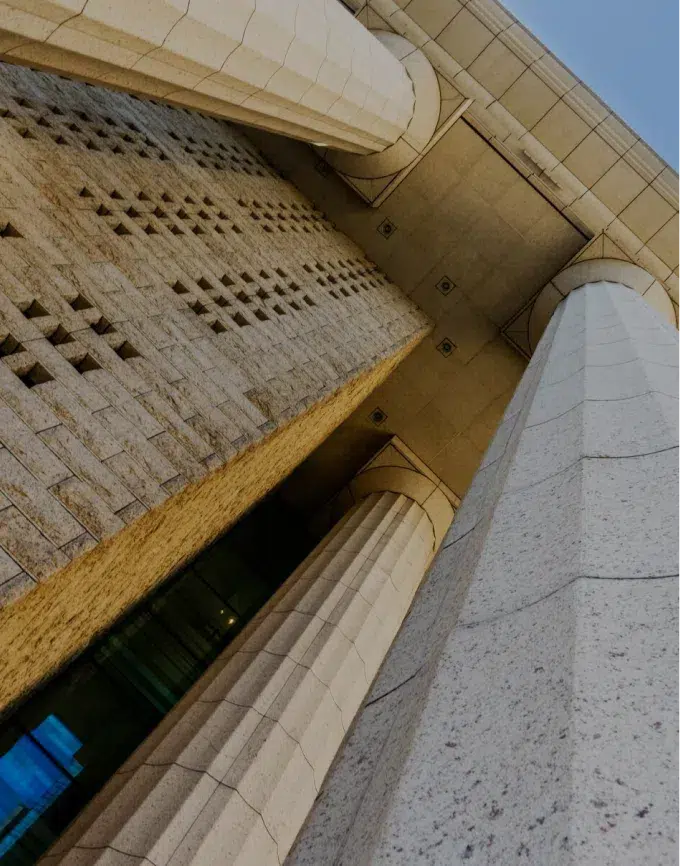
(48, 626)
(166, 302)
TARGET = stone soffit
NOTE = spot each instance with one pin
(609, 263)
(547, 124)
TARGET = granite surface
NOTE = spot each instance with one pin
(526, 711)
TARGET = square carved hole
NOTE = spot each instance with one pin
(103, 326)
(218, 230)
(160, 213)
(247, 278)
(10, 346)
(240, 320)
(279, 291)
(333, 295)
(262, 294)
(80, 302)
(86, 364)
(226, 280)
(34, 310)
(176, 230)
(294, 306)
(261, 315)
(150, 230)
(132, 212)
(166, 197)
(198, 308)
(208, 201)
(122, 230)
(294, 287)
(236, 229)
(9, 231)
(244, 298)
(36, 375)
(182, 214)
(60, 335)
(264, 275)
(279, 309)
(180, 289)
(204, 284)
(103, 211)
(85, 193)
(217, 327)
(309, 301)
(221, 301)
(114, 194)
(344, 291)
(307, 268)
(126, 351)
(197, 230)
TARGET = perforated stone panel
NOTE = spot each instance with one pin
(166, 301)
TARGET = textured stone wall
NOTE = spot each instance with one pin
(48, 626)
(167, 300)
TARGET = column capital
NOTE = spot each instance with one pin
(596, 271)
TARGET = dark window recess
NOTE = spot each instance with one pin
(68, 738)
(60, 335)
(86, 364)
(126, 351)
(36, 375)
(10, 345)
(35, 309)
(80, 302)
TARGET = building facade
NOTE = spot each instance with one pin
(338, 426)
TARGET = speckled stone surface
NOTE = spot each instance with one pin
(527, 711)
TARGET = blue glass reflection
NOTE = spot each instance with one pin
(33, 773)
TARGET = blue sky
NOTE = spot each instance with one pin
(624, 50)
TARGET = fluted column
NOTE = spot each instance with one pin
(527, 710)
(305, 68)
(230, 776)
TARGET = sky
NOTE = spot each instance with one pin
(624, 50)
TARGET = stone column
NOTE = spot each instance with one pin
(232, 772)
(527, 710)
(305, 68)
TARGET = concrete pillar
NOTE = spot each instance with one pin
(232, 772)
(305, 68)
(527, 710)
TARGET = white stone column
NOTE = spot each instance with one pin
(230, 775)
(527, 711)
(305, 68)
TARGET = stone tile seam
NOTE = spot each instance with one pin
(607, 400)
(395, 688)
(638, 359)
(628, 339)
(514, 490)
(524, 408)
(112, 848)
(548, 595)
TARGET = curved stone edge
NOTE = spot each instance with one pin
(305, 68)
(413, 484)
(422, 125)
(594, 271)
(232, 772)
